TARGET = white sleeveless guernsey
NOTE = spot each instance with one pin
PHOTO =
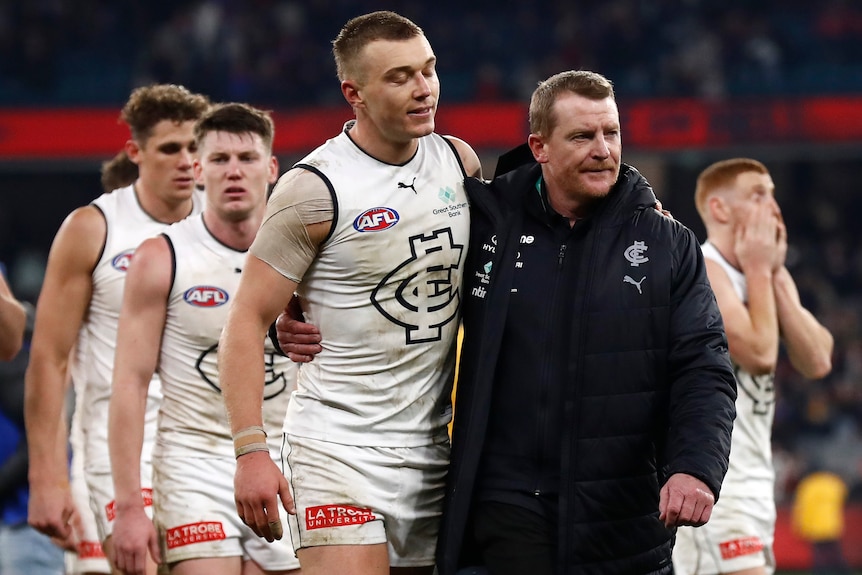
(127, 226)
(385, 291)
(193, 420)
(750, 473)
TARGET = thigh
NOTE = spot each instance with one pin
(514, 540)
(360, 496)
(89, 557)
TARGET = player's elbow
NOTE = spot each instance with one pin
(762, 364)
(820, 367)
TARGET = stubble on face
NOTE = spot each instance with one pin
(399, 89)
(583, 152)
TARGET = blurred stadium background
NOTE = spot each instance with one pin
(696, 80)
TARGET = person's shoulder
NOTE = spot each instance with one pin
(468, 156)
(83, 223)
(299, 185)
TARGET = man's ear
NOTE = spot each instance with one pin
(718, 209)
(351, 92)
(133, 150)
(273, 170)
(537, 146)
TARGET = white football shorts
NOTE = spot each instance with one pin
(102, 502)
(738, 535)
(195, 515)
(88, 556)
(359, 495)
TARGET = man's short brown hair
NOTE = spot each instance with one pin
(236, 118)
(149, 105)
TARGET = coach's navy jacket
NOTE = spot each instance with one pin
(645, 390)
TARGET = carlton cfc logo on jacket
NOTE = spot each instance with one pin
(205, 296)
(375, 220)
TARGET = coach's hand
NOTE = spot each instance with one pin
(258, 484)
(299, 340)
(685, 500)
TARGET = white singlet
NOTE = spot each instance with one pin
(193, 421)
(750, 473)
(384, 290)
(739, 534)
(127, 226)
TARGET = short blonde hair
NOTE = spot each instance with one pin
(361, 31)
(722, 175)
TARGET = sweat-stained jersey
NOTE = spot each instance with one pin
(127, 226)
(750, 473)
(193, 421)
(384, 290)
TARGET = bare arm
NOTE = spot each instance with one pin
(468, 156)
(60, 311)
(142, 320)
(261, 295)
(809, 344)
(12, 322)
(752, 330)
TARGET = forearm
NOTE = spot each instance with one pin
(809, 344)
(44, 401)
(241, 372)
(763, 341)
(126, 416)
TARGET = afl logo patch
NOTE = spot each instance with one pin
(375, 220)
(121, 261)
(205, 296)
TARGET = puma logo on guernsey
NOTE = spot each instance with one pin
(402, 185)
(637, 284)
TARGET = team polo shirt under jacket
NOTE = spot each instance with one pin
(750, 473)
(193, 418)
(127, 226)
(384, 290)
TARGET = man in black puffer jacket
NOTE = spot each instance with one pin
(596, 396)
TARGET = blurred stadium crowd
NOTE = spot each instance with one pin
(276, 53)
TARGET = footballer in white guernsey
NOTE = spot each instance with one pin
(370, 231)
(745, 256)
(181, 285)
(79, 306)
